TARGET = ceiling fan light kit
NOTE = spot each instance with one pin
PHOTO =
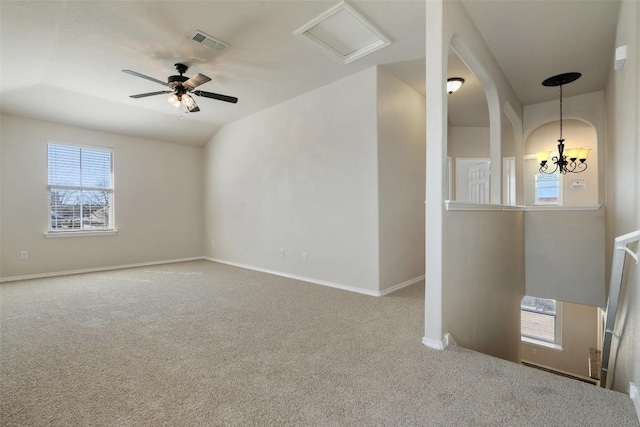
(181, 89)
(570, 160)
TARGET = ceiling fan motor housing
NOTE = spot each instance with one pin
(176, 81)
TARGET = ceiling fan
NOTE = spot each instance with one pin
(181, 89)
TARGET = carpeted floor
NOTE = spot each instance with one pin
(205, 344)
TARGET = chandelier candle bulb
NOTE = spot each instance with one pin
(584, 154)
(543, 156)
(572, 153)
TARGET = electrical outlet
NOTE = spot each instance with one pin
(282, 253)
(304, 255)
(213, 243)
(24, 255)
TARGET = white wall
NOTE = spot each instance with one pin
(471, 141)
(336, 174)
(588, 108)
(579, 324)
(623, 186)
(401, 171)
(449, 277)
(300, 176)
(577, 134)
(158, 208)
(483, 272)
(566, 262)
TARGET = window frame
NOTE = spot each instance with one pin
(536, 197)
(556, 344)
(67, 232)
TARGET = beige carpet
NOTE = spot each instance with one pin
(205, 344)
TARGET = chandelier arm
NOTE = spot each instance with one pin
(544, 169)
(580, 167)
(575, 167)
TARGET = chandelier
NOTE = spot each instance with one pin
(570, 160)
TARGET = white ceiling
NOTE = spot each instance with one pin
(536, 39)
(62, 60)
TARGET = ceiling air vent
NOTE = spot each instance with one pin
(208, 41)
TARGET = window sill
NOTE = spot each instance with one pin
(563, 208)
(549, 345)
(55, 234)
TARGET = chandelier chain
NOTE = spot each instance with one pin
(560, 111)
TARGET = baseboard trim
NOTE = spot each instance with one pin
(96, 269)
(248, 267)
(558, 371)
(435, 344)
(634, 394)
(401, 285)
(301, 278)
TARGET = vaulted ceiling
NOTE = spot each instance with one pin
(62, 60)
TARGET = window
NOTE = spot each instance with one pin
(80, 183)
(540, 321)
(548, 189)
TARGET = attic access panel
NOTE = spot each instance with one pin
(343, 33)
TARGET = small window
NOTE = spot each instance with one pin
(548, 189)
(80, 183)
(540, 320)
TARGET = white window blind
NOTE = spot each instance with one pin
(547, 189)
(539, 319)
(80, 182)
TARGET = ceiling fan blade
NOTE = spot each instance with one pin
(196, 81)
(143, 95)
(133, 73)
(217, 96)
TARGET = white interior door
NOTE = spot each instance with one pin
(479, 183)
(472, 180)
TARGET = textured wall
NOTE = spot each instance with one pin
(300, 176)
(401, 171)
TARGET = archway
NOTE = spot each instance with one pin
(468, 137)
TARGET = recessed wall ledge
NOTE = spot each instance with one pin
(93, 233)
(452, 205)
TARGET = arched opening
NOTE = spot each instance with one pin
(468, 141)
